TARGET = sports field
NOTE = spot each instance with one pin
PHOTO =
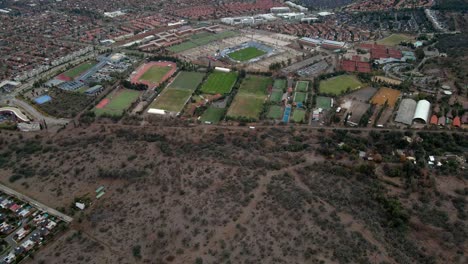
(155, 73)
(212, 115)
(275, 112)
(280, 84)
(299, 115)
(116, 102)
(219, 82)
(300, 97)
(176, 95)
(276, 96)
(302, 86)
(201, 39)
(339, 84)
(172, 100)
(250, 97)
(80, 69)
(246, 54)
(395, 39)
(187, 80)
(386, 95)
(324, 102)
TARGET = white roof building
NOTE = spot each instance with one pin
(422, 111)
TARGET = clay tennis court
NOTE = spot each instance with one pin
(154, 73)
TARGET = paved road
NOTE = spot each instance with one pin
(35, 203)
(37, 116)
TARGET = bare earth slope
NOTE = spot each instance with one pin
(218, 195)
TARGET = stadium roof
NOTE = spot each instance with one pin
(405, 113)
(422, 111)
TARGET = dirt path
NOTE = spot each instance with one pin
(228, 231)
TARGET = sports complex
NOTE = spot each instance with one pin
(153, 73)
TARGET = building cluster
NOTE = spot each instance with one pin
(211, 10)
(326, 30)
(23, 228)
(379, 5)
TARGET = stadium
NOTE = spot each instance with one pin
(247, 52)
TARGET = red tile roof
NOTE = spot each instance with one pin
(457, 121)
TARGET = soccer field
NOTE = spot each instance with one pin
(174, 97)
(250, 98)
(275, 112)
(219, 82)
(302, 86)
(298, 115)
(246, 54)
(339, 84)
(187, 80)
(212, 115)
(155, 73)
(172, 100)
(116, 103)
(276, 96)
(300, 97)
(324, 102)
(280, 84)
(80, 69)
(395, 39)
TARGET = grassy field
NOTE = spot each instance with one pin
(212, 115)
(250, 97)
(187, 80)
(176, 95)
(339, 84)
(276, 96)
(246, 54)
(298, 115)
(80, 69)
(182, 47)
(200, 40)
(155, 74)
(172, 100)
(324, 102)
(275, 112)
(300, 97)
(302, 86)
(395, 39)
(280, 84)
(119, 101)
(219, 82)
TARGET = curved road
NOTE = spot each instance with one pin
(36, 115)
